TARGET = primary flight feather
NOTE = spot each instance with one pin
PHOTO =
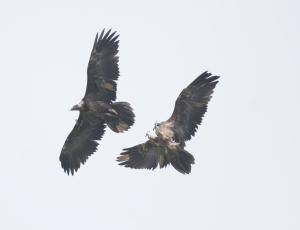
(167, 147)
(97, 108)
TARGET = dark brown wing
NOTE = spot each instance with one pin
(191, 106)
(81, 142)
(148, 155)
(103, 69)
(143, 156)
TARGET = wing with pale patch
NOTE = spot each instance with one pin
(191, 106)
(81, 142)
(103, 69)
(143, 156)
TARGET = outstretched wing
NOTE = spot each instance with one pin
(191, 106)
(149, 155)
(103, 69)
(143, 156)
(81, 142)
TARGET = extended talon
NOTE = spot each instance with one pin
(149, 136)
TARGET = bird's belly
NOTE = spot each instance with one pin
(165, 132)
(97, 106)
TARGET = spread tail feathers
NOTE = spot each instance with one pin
(123, 119)
(182, 161)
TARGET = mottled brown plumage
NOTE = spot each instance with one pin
(97, 108)
(167, 147)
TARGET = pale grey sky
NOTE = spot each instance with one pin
(247, 171)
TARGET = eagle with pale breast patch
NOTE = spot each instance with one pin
(168, 146)
(97, 108)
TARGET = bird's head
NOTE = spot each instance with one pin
(79, 106)
(156, 125)
(74, 108)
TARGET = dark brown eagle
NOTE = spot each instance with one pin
(167, 147)
(97, 108)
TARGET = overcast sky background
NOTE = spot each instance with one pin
(247, 170)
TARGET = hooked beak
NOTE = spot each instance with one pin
(75, 107)
(155, 125)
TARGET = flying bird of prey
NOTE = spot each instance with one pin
(167, 147)
(97, 108)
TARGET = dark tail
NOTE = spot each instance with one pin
(123, 119)
(181, 160)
